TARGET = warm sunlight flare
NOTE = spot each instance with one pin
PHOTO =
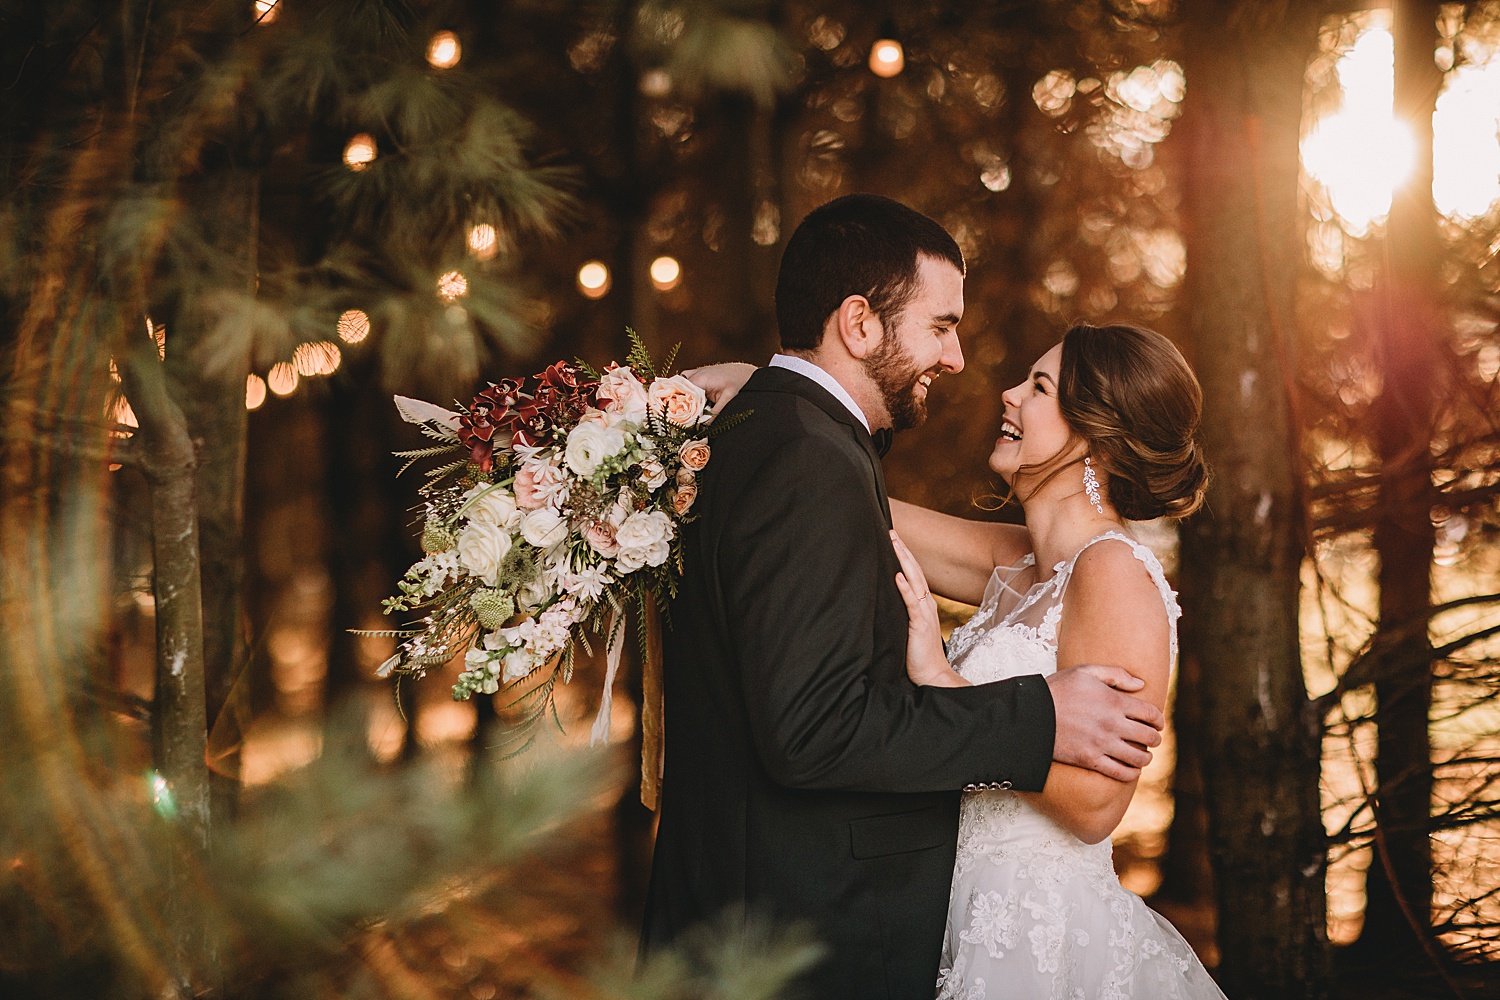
(666, 273)
(360, 152)
(1360, 153)
(353, 326)
(593, 279)
(443, 51)
(887, 58)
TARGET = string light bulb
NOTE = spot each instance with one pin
(484, 241)
(666, 273)
(887, 56)
(444, 51)
(593, 279)
(282, 378)
(267, 11)
(360, 151)
(353, 326)
(255, 392)
(452, 286)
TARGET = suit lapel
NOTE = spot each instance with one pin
(785, 380)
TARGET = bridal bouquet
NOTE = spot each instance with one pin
(558, 512)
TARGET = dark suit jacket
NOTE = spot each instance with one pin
(805, 777)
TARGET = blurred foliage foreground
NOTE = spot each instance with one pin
(343, 879)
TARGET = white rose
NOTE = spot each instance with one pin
(590, 444)
(493, 506)
(630, 560)
(534, 594)
(656, 553)
(544, 528)
(653, 473)
(623, 395)
(481, 547)
(644, 528)
(678, 400)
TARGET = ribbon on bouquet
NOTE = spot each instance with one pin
(651, 698)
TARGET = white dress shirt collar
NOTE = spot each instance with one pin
(804, 367)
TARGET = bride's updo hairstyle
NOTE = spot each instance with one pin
(1129, 393)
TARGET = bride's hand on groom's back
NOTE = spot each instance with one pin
(721, 382)
(1100, 725)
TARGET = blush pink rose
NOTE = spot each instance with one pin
(694, 454)
(623, 395)
(683, 497)
(678, 400)
(601, 536)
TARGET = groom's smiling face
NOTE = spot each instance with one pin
(920, 343)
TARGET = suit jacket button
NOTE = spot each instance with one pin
(1004, 786)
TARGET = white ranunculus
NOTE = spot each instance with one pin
(630, 560)
(481, 547)
(623, 395)
(518, 663)
(493, 506)
(645, 528)
(590, 444)
(544, 528)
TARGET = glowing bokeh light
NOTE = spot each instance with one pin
(282, 378)
(360, 152)
(158, 335)
(666, 273)
(353, 326)
(255, 392)
(656, 83)
(452, 286)
(444, 51)
(484, 241)
(320, 358)
(267, 11)
(593, 279)
(1466, 140)
(887, 57)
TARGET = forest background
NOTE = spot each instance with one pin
(229, 231)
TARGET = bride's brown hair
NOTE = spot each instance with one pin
(1130, 395)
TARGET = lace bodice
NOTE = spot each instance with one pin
(1035, 911)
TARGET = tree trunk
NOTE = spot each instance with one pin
(1260, 739)
(1405, 320)
(211, 371)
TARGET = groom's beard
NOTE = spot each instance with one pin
(895, 374)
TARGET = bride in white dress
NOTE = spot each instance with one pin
(1102, 431)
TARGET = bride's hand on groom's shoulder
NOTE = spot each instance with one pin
(721, 382)
(926, 662)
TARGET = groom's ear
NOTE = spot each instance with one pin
(856, 326)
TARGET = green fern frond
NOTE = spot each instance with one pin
(729, 423)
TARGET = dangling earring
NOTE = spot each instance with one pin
(1091, 484)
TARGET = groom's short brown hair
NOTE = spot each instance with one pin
(860, 244)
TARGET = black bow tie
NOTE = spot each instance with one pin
(882, 439)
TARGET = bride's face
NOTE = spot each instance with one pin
(1033, 432)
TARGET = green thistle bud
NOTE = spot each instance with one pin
(519, 565)
(493, 608)
(436, 538)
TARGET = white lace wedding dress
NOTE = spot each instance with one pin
(1035, 912)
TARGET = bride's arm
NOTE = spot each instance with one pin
(958, 555)
(1113, 614)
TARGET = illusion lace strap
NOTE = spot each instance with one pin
(1153, 567)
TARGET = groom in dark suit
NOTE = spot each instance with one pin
(806, 778)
